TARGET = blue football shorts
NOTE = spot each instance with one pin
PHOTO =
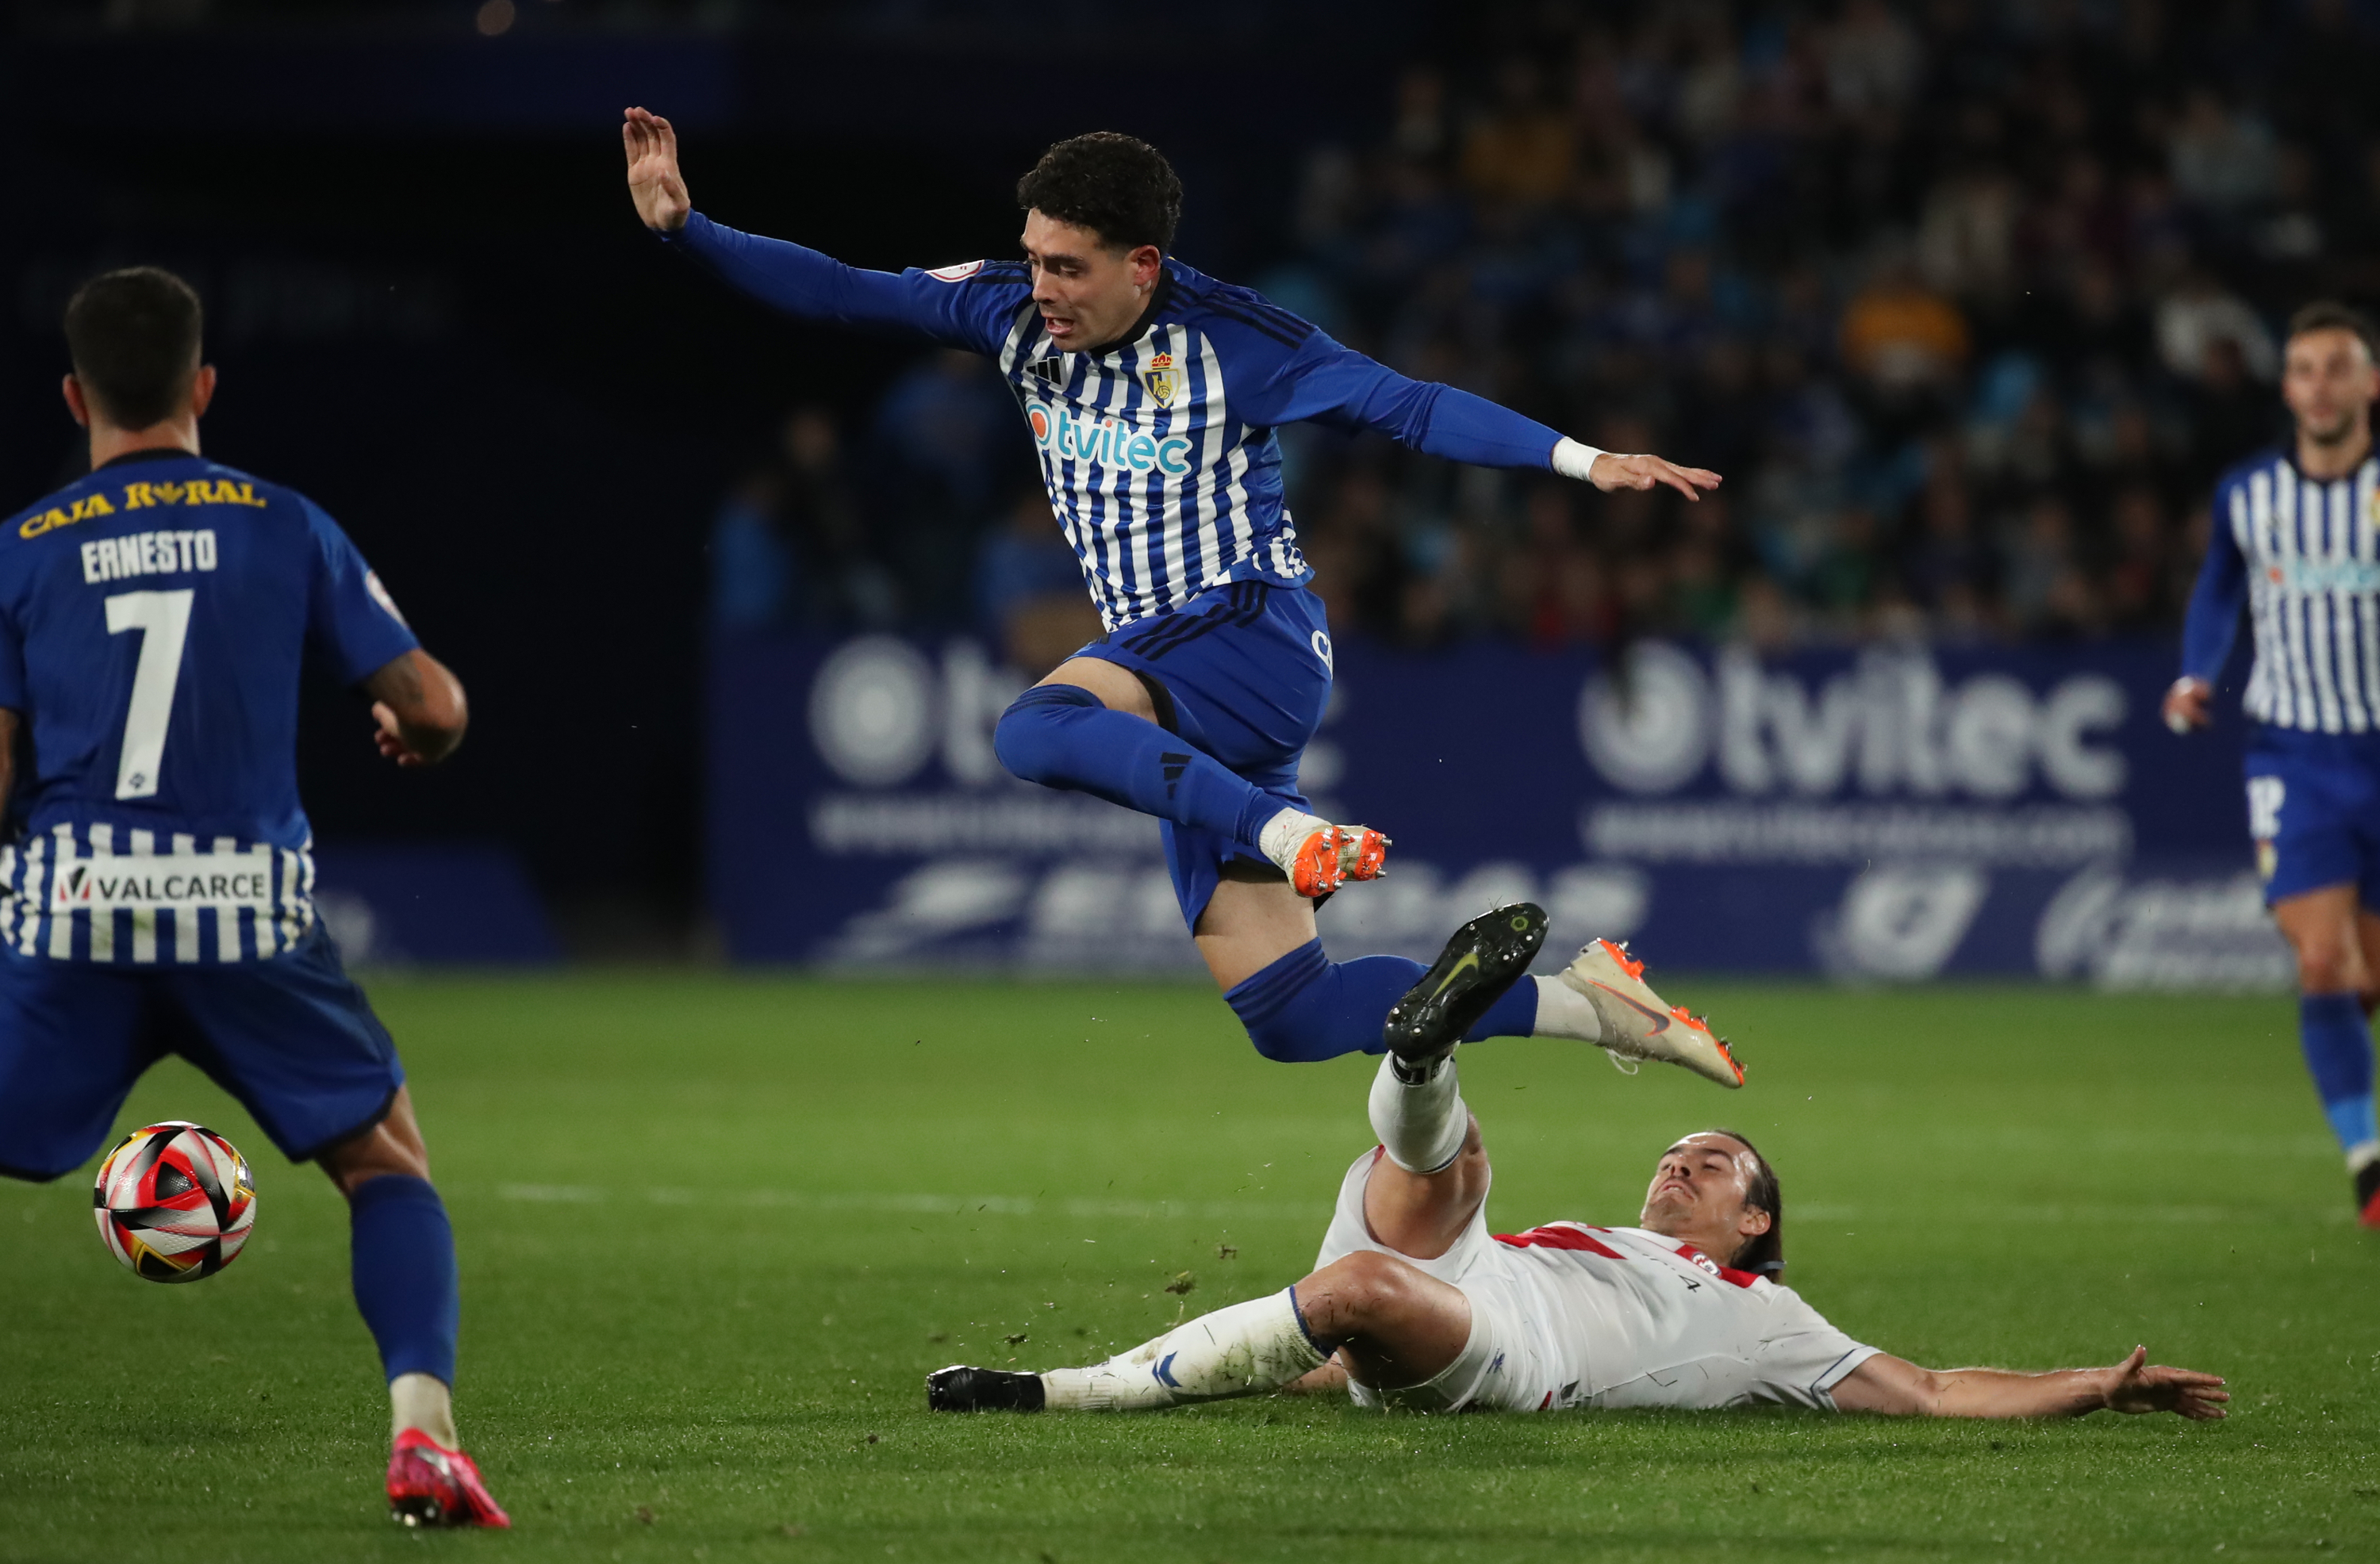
(2314, 812)
(1245, 671)
(293, 1038)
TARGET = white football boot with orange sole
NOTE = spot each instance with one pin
(1638, 1024)
(1319, 858)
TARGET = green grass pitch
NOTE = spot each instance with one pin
(715, 1231)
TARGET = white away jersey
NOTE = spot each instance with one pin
(1573, 1316)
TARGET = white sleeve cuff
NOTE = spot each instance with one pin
(1574, 460)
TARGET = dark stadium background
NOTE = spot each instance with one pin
(1802, 243)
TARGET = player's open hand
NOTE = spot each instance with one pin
(2138, 1384)
(2186, 704)
(1612, 473)
(654, 182)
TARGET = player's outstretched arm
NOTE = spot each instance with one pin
(798, 280)
(420, 710)
(1899, 1387)
(1333, 385)
(655, 183)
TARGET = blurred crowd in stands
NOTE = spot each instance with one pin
(1970, 302)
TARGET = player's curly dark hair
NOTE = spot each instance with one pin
(133, 335)
(2330, 315)
(1120, 187)
(1764, 1256)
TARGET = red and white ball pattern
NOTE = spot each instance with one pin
(174, 1202)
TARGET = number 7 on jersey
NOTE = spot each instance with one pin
(164, 621)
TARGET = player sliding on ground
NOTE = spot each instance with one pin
(1152, 393)
(1414, 1304)
(156, 895)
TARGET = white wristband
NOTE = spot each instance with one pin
(1574, 460)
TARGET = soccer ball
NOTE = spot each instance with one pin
(174, 1202)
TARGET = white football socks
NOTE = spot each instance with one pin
(1422, 1124)
(1242, 1351)
(2361, 1157)
(1563, 1011)
(1282, 834)
(423, 1402)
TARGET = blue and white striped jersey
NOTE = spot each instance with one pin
(2303, 556)
(1159, 451)
(152, 620)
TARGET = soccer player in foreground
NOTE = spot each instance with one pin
(1152, 393)
(1414, 1304)
(2294, 542)
(155, 897)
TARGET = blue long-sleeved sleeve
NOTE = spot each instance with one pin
(2213, 623)
(1326, 383)
(958, 306)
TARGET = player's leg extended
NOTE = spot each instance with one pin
(403, 1264)
(1397, 1325)
(294, 1039)
(2325, 929)
(1259, 941)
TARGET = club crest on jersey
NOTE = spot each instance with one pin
(1163, 378)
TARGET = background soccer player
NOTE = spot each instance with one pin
(1414, 1304)
(1152, 393)
(2297, 540)
(155, 897)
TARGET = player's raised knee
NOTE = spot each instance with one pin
(1355, 1294)
(1029, 736)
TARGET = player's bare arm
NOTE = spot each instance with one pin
(1896, 1387)
(8, 757)
(654, 181)
(420, 710)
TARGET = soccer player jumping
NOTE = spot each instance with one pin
(2296, 539)
(1414, 1304)
(1152, 393)
(156, 890)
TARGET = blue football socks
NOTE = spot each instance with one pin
(403, 1262)
(1060, 736)
(1304, 1008)
(2337, 1043)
